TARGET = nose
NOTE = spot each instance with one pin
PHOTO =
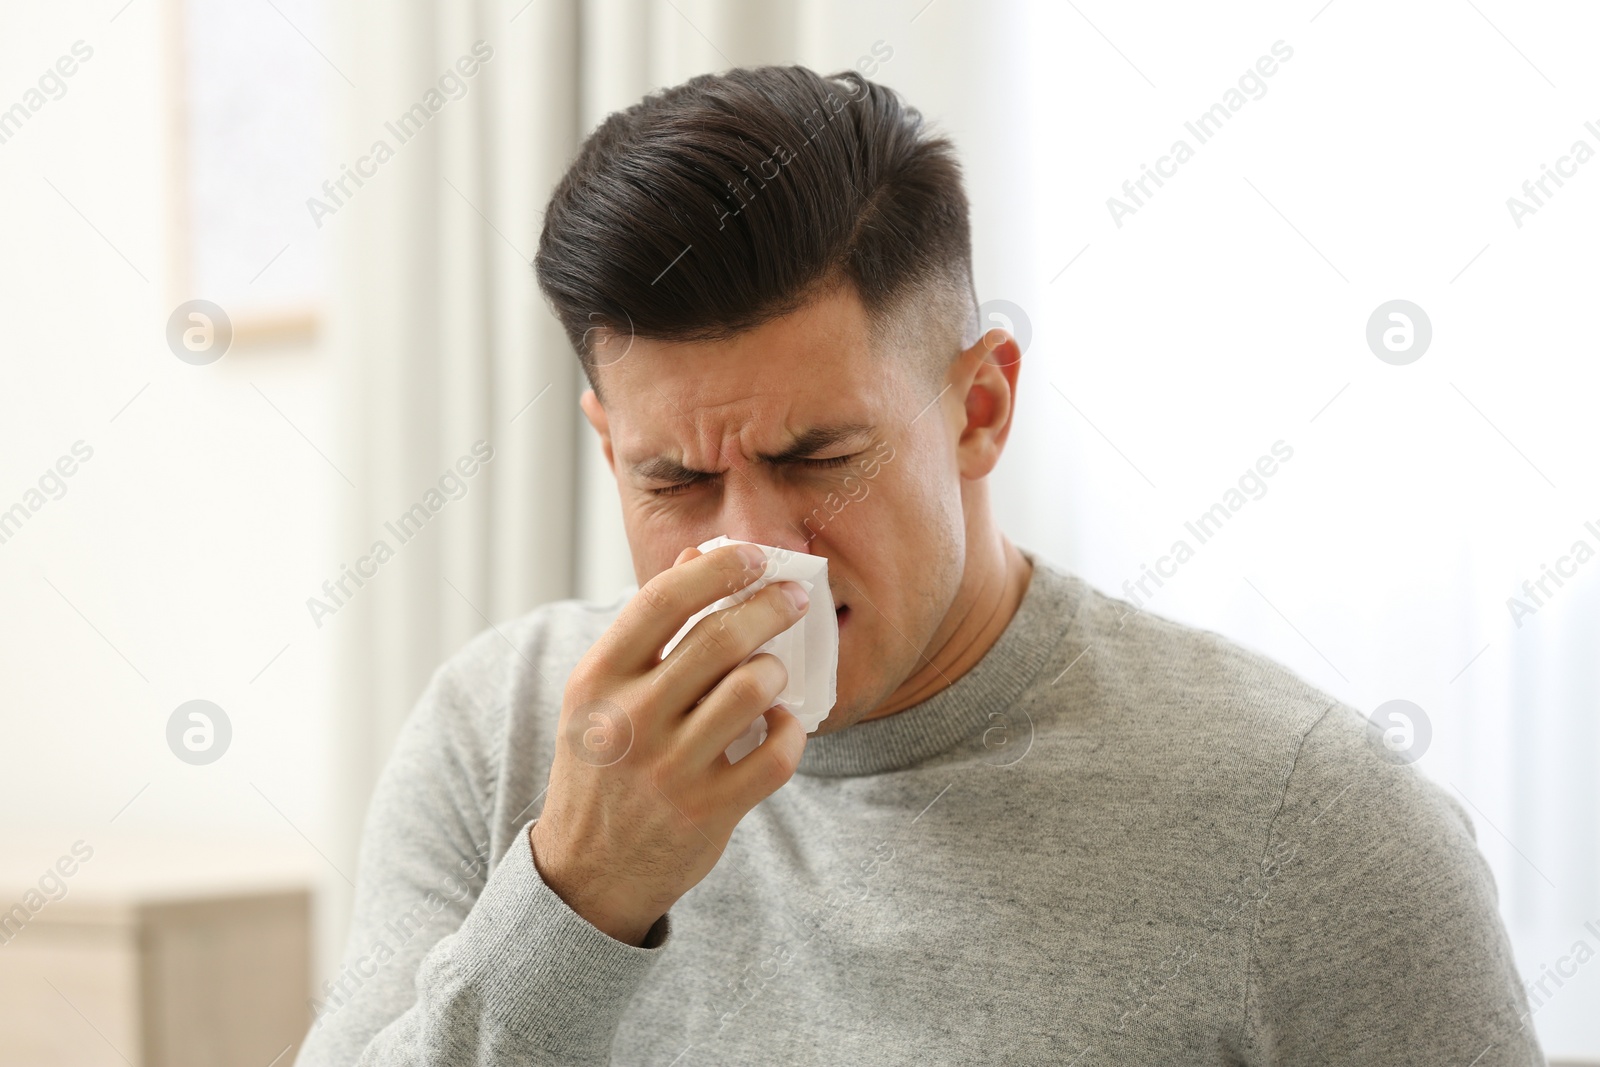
(756, 509)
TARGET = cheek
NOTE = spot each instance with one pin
(916, 537)
(920, 494)
(657, 531)
(900, 527)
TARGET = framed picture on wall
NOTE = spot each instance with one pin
(248, 128)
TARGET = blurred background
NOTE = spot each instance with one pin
(265, 279)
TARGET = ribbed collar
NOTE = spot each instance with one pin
(943, 720)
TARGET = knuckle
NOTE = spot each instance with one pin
(584, 678)
(778, 765)
(654, 595)
(774, 674)
(717, 639)
(746, 688)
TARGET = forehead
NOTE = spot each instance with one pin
(815, 367)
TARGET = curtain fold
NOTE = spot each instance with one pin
(448, 361)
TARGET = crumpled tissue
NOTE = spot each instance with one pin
(809, 650)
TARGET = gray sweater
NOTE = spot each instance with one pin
(1117, 840)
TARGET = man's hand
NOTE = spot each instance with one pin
(642, 799)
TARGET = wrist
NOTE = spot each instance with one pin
(613, 918)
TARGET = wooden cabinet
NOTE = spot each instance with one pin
(208, 981)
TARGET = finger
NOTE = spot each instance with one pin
(726, 713)
(772, 763)
(662, 605)
(723, 639)
(686, 555)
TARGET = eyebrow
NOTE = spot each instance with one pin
(805, 445)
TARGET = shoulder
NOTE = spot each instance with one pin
(1355, 872)
(1193, 687)
(525, 656)
(1354, 827)
(500, 692)
(1206, 690)
(1237, 732)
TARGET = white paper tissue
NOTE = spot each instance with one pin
(809, 649)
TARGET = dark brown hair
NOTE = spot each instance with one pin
(717, 205)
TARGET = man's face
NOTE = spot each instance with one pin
(797, 434)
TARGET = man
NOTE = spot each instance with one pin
(1037, 826)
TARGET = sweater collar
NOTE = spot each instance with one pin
(992, 687)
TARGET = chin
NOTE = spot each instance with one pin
(840, 718)
(856, 699)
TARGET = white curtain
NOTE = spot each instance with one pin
(443, 342)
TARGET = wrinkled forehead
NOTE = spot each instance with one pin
(690, 407)
(815, 368)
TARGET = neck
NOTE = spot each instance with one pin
(994, 578)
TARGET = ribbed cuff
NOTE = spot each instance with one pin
(542, 970)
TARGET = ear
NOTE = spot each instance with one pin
(596, 414)
(986, 374)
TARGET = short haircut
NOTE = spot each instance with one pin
(715, 206)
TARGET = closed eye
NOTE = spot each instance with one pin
(832, 462)
(674, 490)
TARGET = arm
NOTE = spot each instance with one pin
(448, 962)
(536, 962)
(1378, 940)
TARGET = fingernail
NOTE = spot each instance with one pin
(754, 558)
(797, 596)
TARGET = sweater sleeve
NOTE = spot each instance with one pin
(454, 959)
(1377, 939)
